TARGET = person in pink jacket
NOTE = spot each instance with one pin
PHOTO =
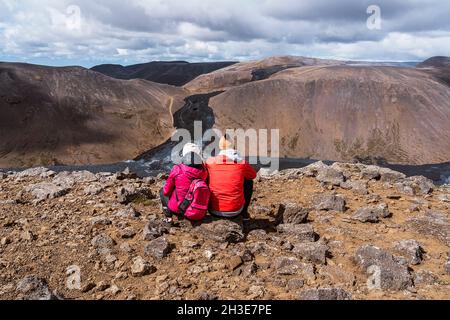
(180, 180)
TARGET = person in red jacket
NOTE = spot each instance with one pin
(230, 181)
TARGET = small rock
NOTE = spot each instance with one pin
(389, 273)
(5, 241)
(330, 176)
(113, 290)
(223, 231)
(46, 190)
(100, 221)
(247, 256)
(336, 275)
(372, 214)
(373, 198)
(141, 267)
(312, 251)
(34, 288)
(295, 284)
(261, 210)
(329, 202)
(290, 265)
(234, 262)
(128, 212)
(94, 189)
(313, 169)
(325, 294)
(292, 213)
(130, 193)
(433, 223)
(121, 276)
(127, 233)
(208, 254)
(32, 172)
(256, 292)
(358, 187)
(301, 232)
(417, 185)
(391, 176)
(249, 269)
(88, 287)
(411, 250)
(190, 244)
(424, 277)
(267, 173)
(27, 235)
(109, 258)
(103, 241)
(126, 248)
(102, 286)
(126, 175)
(154, 229)
(158, 248)
(370, 173)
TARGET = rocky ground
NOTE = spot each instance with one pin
(339, 232)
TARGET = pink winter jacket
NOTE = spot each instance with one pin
(179, 182)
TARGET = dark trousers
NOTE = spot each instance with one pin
(248, 194)
(165, 203)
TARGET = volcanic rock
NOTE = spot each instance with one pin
(223, 231)
(313, 252)
(329, 202)
(292, 213)
(433, 223)
(301, 232)
(141, 268)
(372, 214)
(130, 193)
(388, 273)
(34, 288)
(411, 250)
(158, 248)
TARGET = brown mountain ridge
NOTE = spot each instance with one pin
(325, 109)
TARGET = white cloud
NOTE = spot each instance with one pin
(198, 30)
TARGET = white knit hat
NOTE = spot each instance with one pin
(191, 147)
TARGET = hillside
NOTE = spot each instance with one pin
(176, 73)
(327, 110)
(321, 233)
(438, 67)
(73, 115)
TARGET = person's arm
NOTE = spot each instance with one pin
(170, 183)
(249, 172)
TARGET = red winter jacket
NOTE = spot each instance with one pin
(226, 182)
(179, 182)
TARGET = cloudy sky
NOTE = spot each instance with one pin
(86, 32)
